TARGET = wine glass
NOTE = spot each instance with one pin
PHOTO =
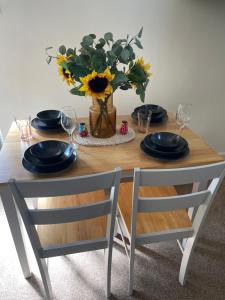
(183, 116)
(69, 123)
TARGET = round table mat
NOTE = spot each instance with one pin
(114, 140)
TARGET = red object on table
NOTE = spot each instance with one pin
(124, 127)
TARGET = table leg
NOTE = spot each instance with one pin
(15, 224)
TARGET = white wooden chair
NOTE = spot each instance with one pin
(164, 215)
(92, 185)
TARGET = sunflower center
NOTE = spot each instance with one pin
(65, 74)
(98, 84)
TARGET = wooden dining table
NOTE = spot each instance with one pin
(91, 159)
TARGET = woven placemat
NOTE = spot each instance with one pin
(114, 140)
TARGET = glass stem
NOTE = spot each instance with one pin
(181, 130)
(70, 138)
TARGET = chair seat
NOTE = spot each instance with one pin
(74, 231)
(151, 222)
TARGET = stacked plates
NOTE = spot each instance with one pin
(165, 145)
(48, 157)
(159, 114)
(47, 120)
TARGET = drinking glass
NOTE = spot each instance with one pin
(24, 126)
(144, 119)
(183, 116)
(69, 123)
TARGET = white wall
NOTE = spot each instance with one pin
(184, 40)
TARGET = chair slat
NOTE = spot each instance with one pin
(68, 186)
(171, 203)
(70, 214)
(181, 175)
(165, 235)
(81, 246)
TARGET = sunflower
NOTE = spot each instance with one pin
(66, 75)
(145, 67)
(61, 58)
(97, 84)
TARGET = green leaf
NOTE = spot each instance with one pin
(98, 62)
(140, 32)
(132, 54)
(111, 57)
(120, 41)
(138, 43)
(131, 64)
(83, 60)
(139, 89)
(87, 41)
(48, 59)
(69, 52)
(126, 86)
(117, 49)
(137, 74)
(64, 65)
(146, 84)
(48, 48)
(124, 56)
(108, 36)
(92, 35)
(62, 50)
(77, 70)
(101, 43)
(75, 91)
(142, 97)
(87, 50)
(119, 79)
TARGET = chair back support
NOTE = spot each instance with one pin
(200, 199)
(61, 187)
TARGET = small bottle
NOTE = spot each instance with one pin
(124, 127)
(83, 132)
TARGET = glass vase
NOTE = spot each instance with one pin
(102, 118)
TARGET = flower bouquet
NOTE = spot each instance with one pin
(98, 69)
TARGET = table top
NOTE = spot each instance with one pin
(103, 158)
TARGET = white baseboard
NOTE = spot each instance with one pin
(222, 154)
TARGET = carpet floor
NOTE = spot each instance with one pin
(81, 276)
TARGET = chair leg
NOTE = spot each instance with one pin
(108, 267)
(189, 247)
(45, 278)
(131, 271)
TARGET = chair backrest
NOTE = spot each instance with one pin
(63, 187)
(200, 199)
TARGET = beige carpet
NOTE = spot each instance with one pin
(81, 276)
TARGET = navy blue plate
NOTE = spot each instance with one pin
(49, 117)
(168, 152)
(49, 162)
(48, 151)
(156, 109)
(164, 155)
(49, 168)
(166, 140)
(38, 124)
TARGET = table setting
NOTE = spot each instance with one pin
(98, 73)
(51, 156)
